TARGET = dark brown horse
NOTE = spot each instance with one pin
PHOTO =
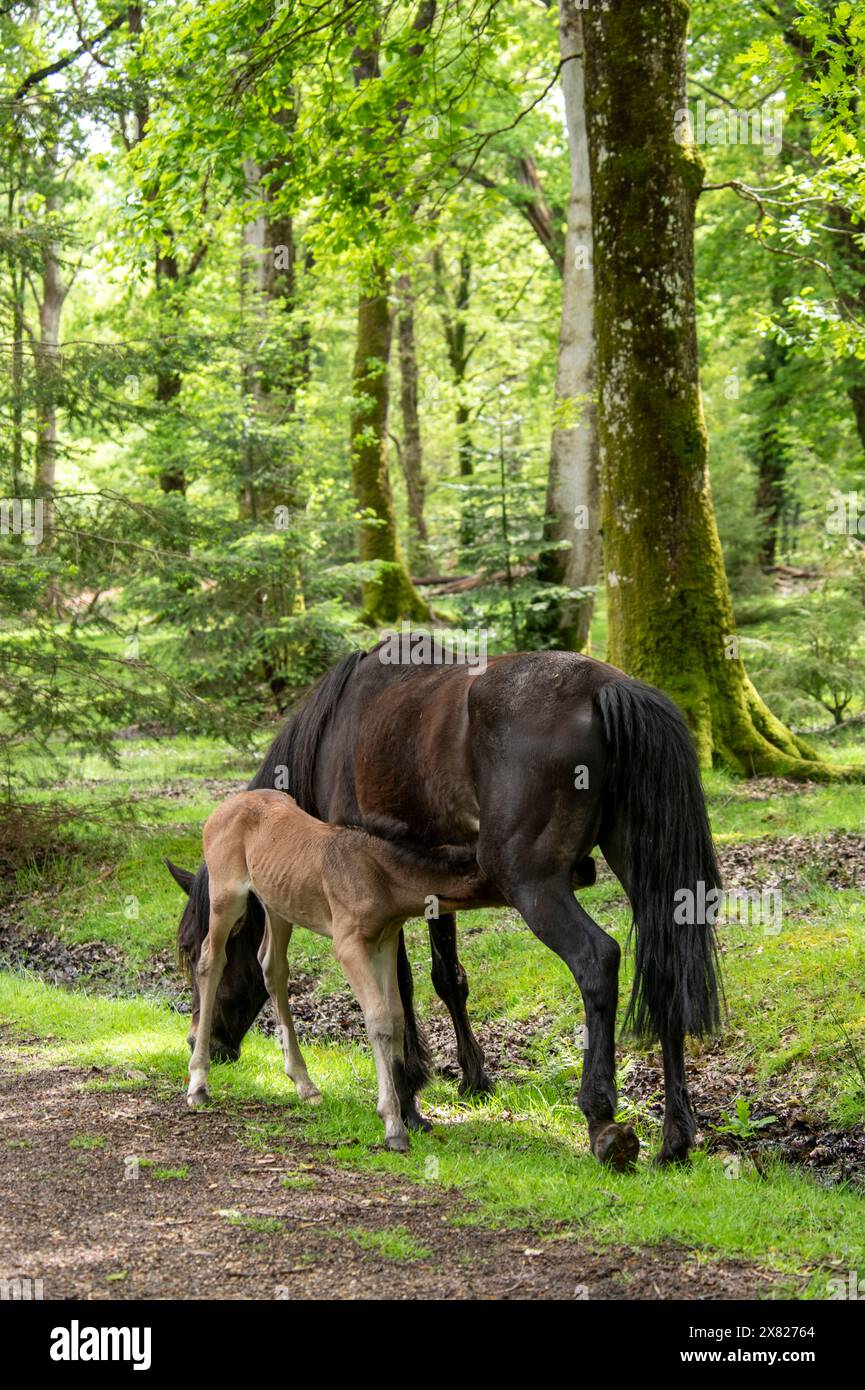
(532, 761)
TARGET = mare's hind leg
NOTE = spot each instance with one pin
(451, 985)
(557, 919)
(679, 1124)
(226, 907)
(273, 956)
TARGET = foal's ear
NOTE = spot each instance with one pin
(181, 876)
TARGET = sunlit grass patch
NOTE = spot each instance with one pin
(390, 1242)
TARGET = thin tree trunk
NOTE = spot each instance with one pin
(17, 279)
(254, 317)
(411, 453)
(454, 314)
(670, 615)
(169, 382)
(573, 489)
(390, 596)
(47, 367)
(771, 453)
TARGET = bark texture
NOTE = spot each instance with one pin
(670, 614)
(411, 449)
(573, 489)
(390, 596)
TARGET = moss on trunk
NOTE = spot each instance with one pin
(670, 613)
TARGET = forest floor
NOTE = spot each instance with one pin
(115, 1191)
(129, 1196)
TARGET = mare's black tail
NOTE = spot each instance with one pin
(660, 815)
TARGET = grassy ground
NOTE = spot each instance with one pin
(796, 1021)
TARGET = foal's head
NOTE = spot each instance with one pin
(241, 991)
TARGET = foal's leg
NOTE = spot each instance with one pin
(451, 985)
(385, 967)
(226, 907)
(353, 954)
(273, 956)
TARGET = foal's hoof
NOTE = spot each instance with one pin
(196, 1100)
(398, 1143)
(617, 1146)
(310, 1094)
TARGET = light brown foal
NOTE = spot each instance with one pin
(338, 881)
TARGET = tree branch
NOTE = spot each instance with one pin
(34, 78)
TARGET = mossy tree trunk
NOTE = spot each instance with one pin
(390, 596)
(670, 614)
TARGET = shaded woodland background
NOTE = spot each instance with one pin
(322, 316)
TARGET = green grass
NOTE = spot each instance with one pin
(796, 1023)
(87, 1141)
(521, 1158)
(390, 1242)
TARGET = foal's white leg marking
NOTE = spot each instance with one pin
(225, 909)
(354, 957)
(273, 956)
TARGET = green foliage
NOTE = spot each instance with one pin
(820, 661)
(741, 1124)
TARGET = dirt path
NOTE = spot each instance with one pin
(231, 1229)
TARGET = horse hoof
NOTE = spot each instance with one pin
(479, 1085)
(671, 1158)
(397, 1143)
(415, 1120)
(310, 1094)
(618, 1147)
(198, 1099)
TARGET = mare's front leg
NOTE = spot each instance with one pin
(451, 985)
(415, 1069)
(354, 955)
(273, 957)
(386, 967)
(226, 907)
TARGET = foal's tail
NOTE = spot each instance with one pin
(659, 814)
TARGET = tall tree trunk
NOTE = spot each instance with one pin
(573, 488)
(454, 312)
(169, 382)
(47, 367)
(670, 615)
(411, 452)
(275, 369)
(17, 283)
(390, 596)
(771, 453)
(254, 317)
